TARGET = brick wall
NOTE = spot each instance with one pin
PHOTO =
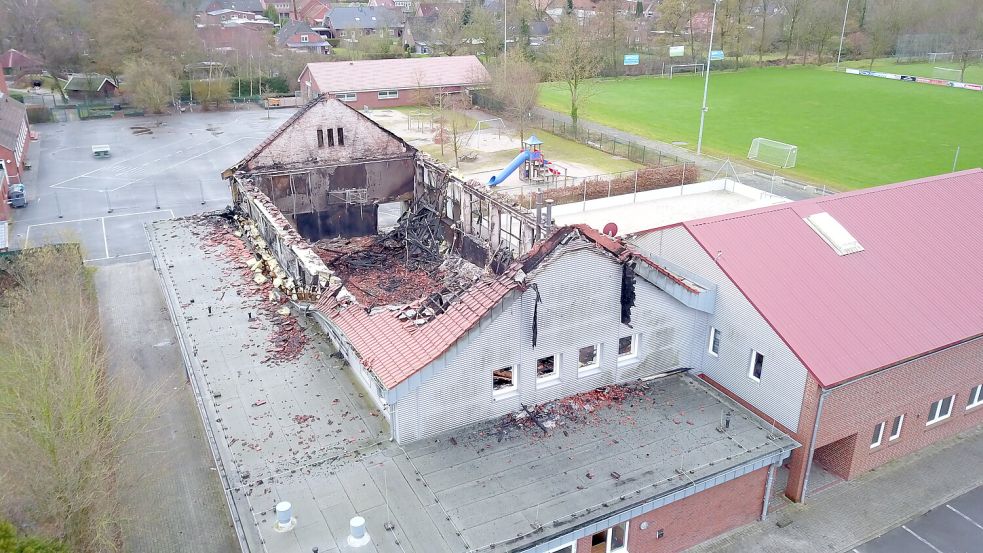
(697, 518)
(851, 411)
(907, 389)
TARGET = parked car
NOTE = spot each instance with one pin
(17, 196)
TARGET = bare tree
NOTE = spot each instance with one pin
(793, 11)
(515, 83)
(150, 85)
(64, 421)
(820, 22)
(965, 21)
(573, 60)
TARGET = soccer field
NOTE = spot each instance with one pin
(852, 131)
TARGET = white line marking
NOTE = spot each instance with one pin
(960, 513)
(96, 218)
(105, 237)
(120, 162)
(921, 539)
(183, 161)
(115, 257)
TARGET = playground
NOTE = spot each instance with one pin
(851, 131)
(491, 152)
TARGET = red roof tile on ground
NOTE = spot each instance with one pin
(915, 288)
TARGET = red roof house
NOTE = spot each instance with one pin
(871, 316)
(14, 62)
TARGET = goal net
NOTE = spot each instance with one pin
(686, 69)
(946, 73)
(773, 152)
(940, 56)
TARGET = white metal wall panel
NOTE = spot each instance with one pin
(580, 289)
(742, 328)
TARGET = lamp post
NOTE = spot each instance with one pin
(839, 52)
(706, 80)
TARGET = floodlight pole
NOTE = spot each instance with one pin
(842, 34)
(706, 80)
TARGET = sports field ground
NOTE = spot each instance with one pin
(852, 131)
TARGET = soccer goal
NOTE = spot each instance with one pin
(940, 56)
(488, 125)
(686, 68)
(773, 152)
(946, 73)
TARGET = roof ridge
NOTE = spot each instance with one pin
(279, 131)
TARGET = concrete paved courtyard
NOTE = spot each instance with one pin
(955, 527)
(154, 172)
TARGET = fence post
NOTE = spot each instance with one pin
(584, 205)
(644, 149)
(634, 197)
(682, 179)
(609, 188)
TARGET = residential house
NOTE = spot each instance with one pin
(539, 33)
(227, 17)
(89, 86)
(243, 40)
(351, 22)
(14, 62)
(251, 6)
(284, 8)
(392, 82)
(314, 11)
(853, 322)
(298, 35)
(15, 133)
(548, 361)
(419, 33)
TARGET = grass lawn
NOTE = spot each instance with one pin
(852, 131)
(974, 73)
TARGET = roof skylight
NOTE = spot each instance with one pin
(833, 233)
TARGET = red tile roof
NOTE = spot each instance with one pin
(18, 60)
(915, 287)
(394, 349)
(401, 73)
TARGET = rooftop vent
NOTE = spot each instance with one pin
(833, 233)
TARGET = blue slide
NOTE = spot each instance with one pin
(519, 160)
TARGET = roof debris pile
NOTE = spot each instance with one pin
(255, 275)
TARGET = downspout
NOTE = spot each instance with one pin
(771, 480)
(812, 444)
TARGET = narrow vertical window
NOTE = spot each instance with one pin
(896, 428)
(875, 440)
(320, 138)
(330, 137)
(341, 136)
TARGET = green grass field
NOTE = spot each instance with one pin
(852, 131)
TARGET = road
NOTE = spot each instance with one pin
(954, 527)
(158, 173)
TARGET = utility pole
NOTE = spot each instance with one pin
(706, 81)
(839, 52)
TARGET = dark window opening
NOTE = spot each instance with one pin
(341, 136)
(330, 137)
(546, 367)
(320, 138)
(625, 346)
(757, 364)
(502, 379)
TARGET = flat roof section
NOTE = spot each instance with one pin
(665, 206)
(303, 430)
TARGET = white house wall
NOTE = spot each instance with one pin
(581, 305)
(742, 328)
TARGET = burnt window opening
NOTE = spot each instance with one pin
(330, 137)
(341, 136)
(546, 368)
(503, 380)
(320, 138)
(627, 292)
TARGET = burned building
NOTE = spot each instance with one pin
(473, 317)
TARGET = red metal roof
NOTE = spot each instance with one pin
(916, 286)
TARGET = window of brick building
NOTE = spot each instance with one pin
(330, 137)
(896, 428)
(320, 138)
(612, 540)
(341, 136)
(757, 365)
(875, 440)
(940, 410)
(975, 396)
(568, 548)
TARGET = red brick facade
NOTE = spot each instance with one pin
(405, 97)
(851, 412)
(697, 518)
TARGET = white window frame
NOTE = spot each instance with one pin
(879, 430)
(509, 391)
(593, 367)
(714, 334)
(624, 358)
(935, 410)
(622, 549)
(304, 38)
(750, 371)
(346, 96)
(388, 94)
(975, 396)
(896, 435)
(551, 378)
(572, 545)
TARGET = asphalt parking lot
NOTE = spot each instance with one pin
(171, 171)
(953, 527)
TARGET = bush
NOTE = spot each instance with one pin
(38, 114)
(17, 96)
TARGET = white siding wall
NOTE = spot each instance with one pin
(742, 328)
(581, 305)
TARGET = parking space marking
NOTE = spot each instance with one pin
(960, 513)
(120, 162)
(105, 237)
(921, 539)
(116, 256)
